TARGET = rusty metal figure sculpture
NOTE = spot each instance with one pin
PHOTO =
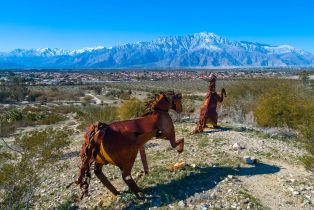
(118, 143)
(208, 113)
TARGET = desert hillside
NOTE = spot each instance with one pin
(261, 157)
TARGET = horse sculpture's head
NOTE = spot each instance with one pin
(166, 101)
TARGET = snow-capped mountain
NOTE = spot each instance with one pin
(199, 50)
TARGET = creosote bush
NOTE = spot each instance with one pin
(276, 103)
(282, 106)
(10, 119)
(92, 114)
(21, 167)
(131, 109)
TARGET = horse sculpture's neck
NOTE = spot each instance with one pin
(151, 126)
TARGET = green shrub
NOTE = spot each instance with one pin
(29, 116)
(286, 106)
(20, 172)
(308, 161)
(88, 98)
(275, 103)
(131, 109)
(188, 105)
(92, 114)
(54, 94)
(118, 93)
(277, 108)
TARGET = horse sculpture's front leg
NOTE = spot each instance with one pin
(103, 179)
(171, 136)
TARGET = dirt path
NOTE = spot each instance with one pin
(269, 189)
(289, 188)
(97, 100)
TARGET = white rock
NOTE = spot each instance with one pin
(181, 204)
(203, 207)
(237, 146)
(249, 160)
(296, 193)
(213, 196)
(234, 205)
(291, 189)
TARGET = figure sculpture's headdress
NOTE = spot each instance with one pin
(212, 82)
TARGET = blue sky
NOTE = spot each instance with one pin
(73, 24)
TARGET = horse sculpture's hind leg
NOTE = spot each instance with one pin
(144, 159)
(180, 143)
(103, 179)
(126, 175)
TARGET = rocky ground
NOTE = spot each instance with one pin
(216, 175)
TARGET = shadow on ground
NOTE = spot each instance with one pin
(205, 178)
(71, 154)
(215, 130)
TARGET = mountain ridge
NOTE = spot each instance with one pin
(199, 50)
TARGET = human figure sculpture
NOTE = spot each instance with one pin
(208, 113)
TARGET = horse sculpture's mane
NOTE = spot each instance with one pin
(153, 103)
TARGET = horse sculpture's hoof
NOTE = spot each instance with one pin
(180, 150)
(181, 145)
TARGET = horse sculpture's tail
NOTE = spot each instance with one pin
(88, 155)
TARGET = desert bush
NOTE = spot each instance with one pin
(91, 114)
(36, 96)
(131, 109)
(280, 106)
(54, 94)
(188, 105)
(97, 90)
(119, 93)
(286, 106)
(14, 91)
(304, 77)
(11, 119)
(4, 93)
(274, 103)
(21, 168)
(243, 95)
(88, 98)
(285, 103)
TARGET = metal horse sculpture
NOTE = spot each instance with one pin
(118, 143)
(208, 113)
